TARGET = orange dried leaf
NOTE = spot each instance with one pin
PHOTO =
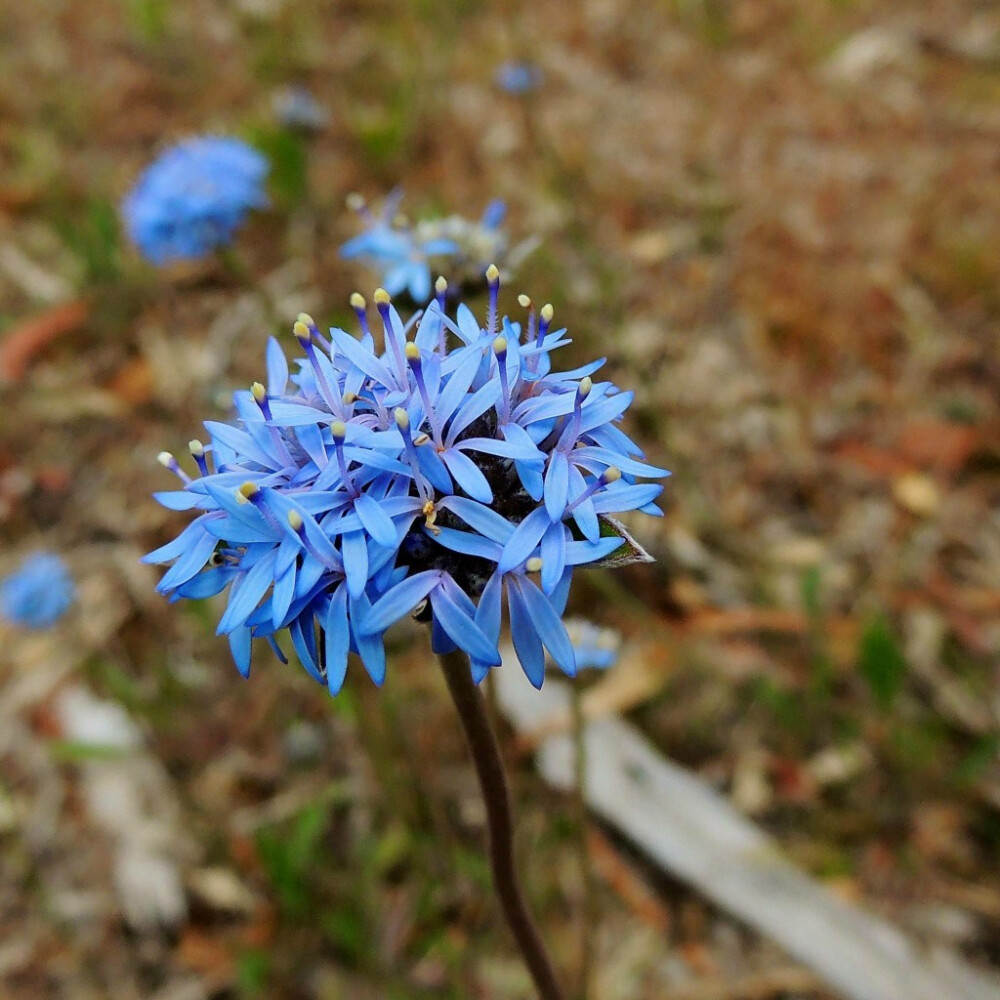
(26, 339)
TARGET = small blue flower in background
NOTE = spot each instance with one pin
(450, 471)
(402, 253)
(518, 77)
(38, 593)
(296, 108)
(595, 648)
(194, 197)
(395, 249)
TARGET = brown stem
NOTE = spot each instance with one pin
(496, 796)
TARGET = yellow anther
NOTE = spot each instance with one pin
(348, 398)
(358, 302)
(402, 418)
(500, 345)
(166, 459)
(302, 331)
(306, 318)
(295, 520)
(381, 297)
(586, 384)
(533, 565)
(412, 352)
(547, 312)
(421, 439)
(441, 285)
(196, 448)
(492, 274)
(612, 474)
(249, 490)
(355, 201)
(258, 392)
(338, 429)
(524, 301)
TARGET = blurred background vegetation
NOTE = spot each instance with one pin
(780, 222)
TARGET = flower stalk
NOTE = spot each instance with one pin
(496, 795)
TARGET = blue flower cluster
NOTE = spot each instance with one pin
(194, 197)
(38, 593)
(402, 253)
(366, 483)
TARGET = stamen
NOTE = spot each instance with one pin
(524, 301)
(533, 565)
(416, 366)
(500, 350)
(304, 337)
(339, 431)
(403, 423)
(197, 450)
(441, 292)
(544, 319)
(259, 394)
(383, 300)
(493, 280)
(169, 462)
(610, 475)
(296, 524)
(360, 308)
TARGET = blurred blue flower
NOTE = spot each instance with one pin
(518, 77)
(402, 252)
(194, 197)
(38, 593)
(449, 471)
(595, 648)
(296, 108)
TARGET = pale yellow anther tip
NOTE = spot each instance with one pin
(547, 312)
(294, 520)
(402, 418)
(500, 345)
(533, 565)
(586, 384)
(301, 330)
(412, 352)
(381, 297)
(248, 490)
(524, 301)
(196, 448)
(355, 201)
(166, 459)
(493, 274)
(441, 285)
(258, 392)
(306, 318)
(358, 301)
(612, 474)
(338, 429)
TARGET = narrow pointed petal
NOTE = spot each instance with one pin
(337, 640)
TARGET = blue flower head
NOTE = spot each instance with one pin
(595, 648)
(402, 253)
(445, 469)
(38, 593)
(518, 78)
(194, 197)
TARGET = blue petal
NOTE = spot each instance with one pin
(398, 602)
(355, 562)
(337, 638)
(553, 552)
(548, 624)
(485, 520)
(240, 642)
(527, 645)
(377, 523)
(468, 476)
(462, 629)
(277, 368)
(524, 540)
(556, 485)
